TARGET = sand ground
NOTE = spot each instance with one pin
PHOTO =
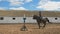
(32, 29)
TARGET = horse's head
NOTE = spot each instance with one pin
(35, 16)
(47, 20)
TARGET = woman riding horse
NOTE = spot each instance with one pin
(40, 20)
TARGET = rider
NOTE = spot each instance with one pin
(40, 15)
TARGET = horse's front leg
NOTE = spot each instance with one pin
(44, 24)
(39, 25)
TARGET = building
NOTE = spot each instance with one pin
(16, 16)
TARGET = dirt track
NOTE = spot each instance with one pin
(32, 29)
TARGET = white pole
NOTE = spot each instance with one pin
(24, 16)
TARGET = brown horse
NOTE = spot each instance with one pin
(41, 20)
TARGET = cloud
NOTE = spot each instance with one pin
(0, 0)
(15, 2)
(42, 2)
(18, 2)
(28, 0)
(20, 8)
(2, 8)
(49, 5)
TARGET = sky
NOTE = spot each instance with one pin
(45, 5)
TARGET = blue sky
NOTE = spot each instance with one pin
(49, 5)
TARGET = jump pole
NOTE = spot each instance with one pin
(24, 28)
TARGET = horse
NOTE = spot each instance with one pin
(41, 20)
